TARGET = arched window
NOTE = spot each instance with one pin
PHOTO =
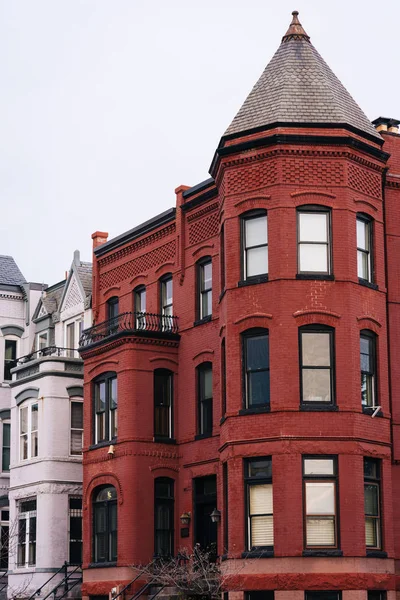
(364, 248)
(254, 241)
(139, 303)
(314, 240)
(163, 401)
(204, 288)
(368, 368)
(105, 524)
(256, 368)
(105, 398)
(317, 365)
(204, 399)
(164, 516)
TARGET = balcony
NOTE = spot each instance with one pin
(132, 323)
(50, 360)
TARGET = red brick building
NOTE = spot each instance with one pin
(245, 356)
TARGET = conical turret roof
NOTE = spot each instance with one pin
(297, 86)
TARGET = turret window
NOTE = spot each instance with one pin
(254, 245)
(314, 253)
(364, 248)
(317, 372)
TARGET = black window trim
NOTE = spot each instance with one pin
(373, 339)
(205, 260)
(266, 551)
(171, 506)
(378, 482)
(249, 333)
(322, 550)
(103, 377)
(319, 328)
(315, 208)
(200, 369)
(248, 216)
(367, 219)
(114, 501)
(158, 437)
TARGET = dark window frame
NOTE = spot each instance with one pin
(250, 481)
(323, 595)
(376, 481)
(203, 428)
(105, 378)
(112, 307)
(200, 289)
(223, 377)
(225, 514)
(324, 329)
(140, 316)
(373, 386)
(4, 455)
(316, 209)
(369, 222)
(249, 216)
(109, 533)
(316, 478)
(10, 363)
(75, 516)
(159, 436)
(245, 336)
(169, 502)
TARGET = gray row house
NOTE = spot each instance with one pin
(41, 433)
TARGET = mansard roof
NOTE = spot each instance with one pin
(297, 86)
(9, 272)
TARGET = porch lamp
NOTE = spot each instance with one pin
(215, 515)
(185, 518)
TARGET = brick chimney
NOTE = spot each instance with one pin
(383, 124)
(99, 238)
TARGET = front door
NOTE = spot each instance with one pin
(205, 500)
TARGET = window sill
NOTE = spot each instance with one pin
(162, 440)
(253, 280)
(259, 553)
(102, 565)
(318, 407)
(102, 444)
(318, 276)
(368, 284)
(327, 552)
(202, 436)
(376, 554)
(368, 410)
(206, 319)
(255, 410)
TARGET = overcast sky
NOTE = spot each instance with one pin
(106, 106)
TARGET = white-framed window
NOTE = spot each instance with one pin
(72, 334)
(76, 427)
(364, 248)
(314, 241)
(28, 431)
(26, 533)
(42, 340)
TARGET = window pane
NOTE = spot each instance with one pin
(313, 258)
(320, 498)
(362, 234)
(207, 383)
(260, 468)
(100, 396)
(262, 531)
(371, 500)
(363, 265)
(113, 393)
(77, 415)
(206, 304)
(256, 231)
(372, 532)
(257, 352)
(371, 468)
(316, 385)
(34, 417)
(261, 499)
(23, 420)
(318, 466)
(258, 388)
(320, 532)
(34, 444)
(257, 261)
(76, 442)
(206, 272)
(10, 351)
(315, 349)
(313, 227)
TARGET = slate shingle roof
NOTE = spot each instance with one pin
(297, 86)
(9, 272)
(84, 270)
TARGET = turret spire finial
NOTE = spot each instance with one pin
(295, 31)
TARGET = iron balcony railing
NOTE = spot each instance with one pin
(135, 322)
(48, 351)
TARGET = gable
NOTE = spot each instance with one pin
(73, 295)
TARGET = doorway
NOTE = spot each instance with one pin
(205, 500)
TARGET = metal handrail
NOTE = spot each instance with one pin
(48, 351)
(137, 322)
(143, 589)
(76, 581)
(60, 583)
(129, 584)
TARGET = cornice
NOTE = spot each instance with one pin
(204, 211)
(127, 338)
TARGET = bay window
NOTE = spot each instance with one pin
(317, 365)
(254, 244)
(28, 431)
(204, 288)
(259, 502)
(320, 502)
(26, 551)
(372, 502)
(256, 368)
(105, 524)
(364, 248)
(314, 241)
(368, 368)
(205, 399)
(163, 395)
(105, 407)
